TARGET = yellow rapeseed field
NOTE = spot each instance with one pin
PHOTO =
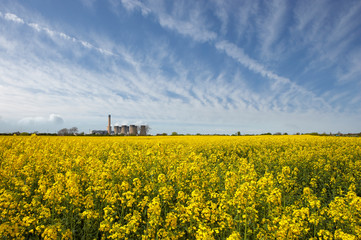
(185, 187)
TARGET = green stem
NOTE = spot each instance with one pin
(245, 229)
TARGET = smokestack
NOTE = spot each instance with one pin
(109, 128)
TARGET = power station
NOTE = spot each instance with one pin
(125, 130)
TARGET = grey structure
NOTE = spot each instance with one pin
(109, 128)
(116, 130)
(143, 130)
(99, 132)
(122, 130)
(133, 130)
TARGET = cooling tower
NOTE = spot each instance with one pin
(143, 131)
(124, 130)
(116, 130)
(133, 131)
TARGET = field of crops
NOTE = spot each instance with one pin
(196, 187)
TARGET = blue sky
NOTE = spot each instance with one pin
(210, 66)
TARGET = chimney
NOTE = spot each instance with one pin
(109, 128)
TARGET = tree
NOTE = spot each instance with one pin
(63, 132)
(66, 131)
(147, 129)
(73, 130)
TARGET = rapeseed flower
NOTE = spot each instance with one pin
(214, 187)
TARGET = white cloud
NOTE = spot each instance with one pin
(326, 31)
(310, 16)
(135, 4)
(222, 9)
(36, 27)
(282, 88)
(238, 54)
(72, 89)
(190, 24)
(243, 15)
(186, 28)
(52, 119)
(88, 3)
(198, 31)
(55, 118)
(271, 28)
(13, 17)
(6, 44)
(353, 68)
(55, 34)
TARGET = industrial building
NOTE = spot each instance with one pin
(125, 130)
(99, 132)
